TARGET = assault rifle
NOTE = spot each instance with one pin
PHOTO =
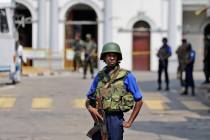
(90, 54)
(101, 124)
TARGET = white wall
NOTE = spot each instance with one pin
(125, 14)
(124, 17)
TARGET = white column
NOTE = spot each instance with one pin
(172, 22)
(107, 27)
(34, 34)
(175, 22)
(54, 26)
(174, 30)
(208, 10)
(107, 21)
(42, 28)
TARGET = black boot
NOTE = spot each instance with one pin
(185, 91)
(193, 91)
(167, 88)
(159, 87)
(92, 76)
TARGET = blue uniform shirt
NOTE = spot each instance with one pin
(130, 84)
(169, 50)
(192, 55)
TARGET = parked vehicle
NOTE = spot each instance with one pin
(7, 39)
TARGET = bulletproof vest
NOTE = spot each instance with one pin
(114, 95)
(181, 52)
(163, 53)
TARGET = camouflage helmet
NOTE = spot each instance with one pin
(111, 47)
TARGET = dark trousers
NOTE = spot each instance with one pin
(77, 62)
(189, 80)
(180, 72)
(114, 126)
(163, 66)
(189, 76)
(207, 71)
(88, 62)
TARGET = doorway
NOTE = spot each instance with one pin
(141, 46)
(81, 19)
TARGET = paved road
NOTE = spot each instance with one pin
(52, 108)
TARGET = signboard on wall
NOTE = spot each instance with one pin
(36, 53)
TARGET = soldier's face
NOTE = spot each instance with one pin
(111, 59)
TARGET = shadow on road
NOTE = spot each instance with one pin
(192, 128)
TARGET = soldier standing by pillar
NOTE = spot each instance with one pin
(90, 49)
(180, 54)
(189, 62)
(163, 54)
(207, 60)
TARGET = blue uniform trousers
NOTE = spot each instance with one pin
(114, 127)
(189, 76)
(163, 66)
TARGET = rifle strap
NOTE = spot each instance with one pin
(115, 74)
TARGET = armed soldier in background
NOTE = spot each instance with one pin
(163, 54)
(207, 60)
(77, 44)
(189, 62)
(181, 51)
(113, 91)
(90, 50)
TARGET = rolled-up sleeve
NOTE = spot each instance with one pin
(92, 88)
(132, 86)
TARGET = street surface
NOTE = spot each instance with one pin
(52, 108)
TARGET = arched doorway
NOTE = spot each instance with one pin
(83, 19)
(23, 25)
(141, 46)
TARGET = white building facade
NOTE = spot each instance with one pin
(138, 26)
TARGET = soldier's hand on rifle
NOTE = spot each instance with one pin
(126, 124)
(94, 111)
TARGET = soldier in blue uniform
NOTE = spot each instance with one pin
(119, 84)
(189, 62)
(163, 54)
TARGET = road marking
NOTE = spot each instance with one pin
(42, 103)
(156, 104)
(79, 103)
(7, 102)
(194, 105)
(6, 87)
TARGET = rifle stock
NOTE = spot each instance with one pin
(93, 130)
(103, 127)
(101, 124)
